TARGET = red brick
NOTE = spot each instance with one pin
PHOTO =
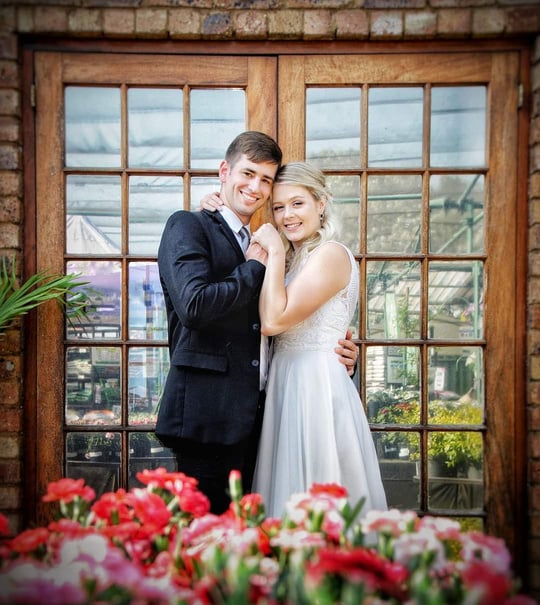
(523, 19)
(11, 420)
(318, 25)
(352, 24)
(10, 183)
(10, 129)
(51, 19)
(85, 21)
(9, 497)
(252, 24)
(184, 23)
(420, 24)
(386, 24)
(10, 393)
(118, 22)
(151, 22)
(10, 471)
(488, 21)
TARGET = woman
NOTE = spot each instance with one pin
(314, 429)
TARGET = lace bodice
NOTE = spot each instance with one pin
(321, 330)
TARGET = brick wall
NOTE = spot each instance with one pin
(377, 20)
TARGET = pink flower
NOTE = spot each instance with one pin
(67, 490)
(393, 521)
(492, 550)
(481, 579)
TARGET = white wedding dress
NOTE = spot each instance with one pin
(315, 429)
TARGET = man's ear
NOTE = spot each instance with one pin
(223, 171)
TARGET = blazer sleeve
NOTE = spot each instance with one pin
(203, 273)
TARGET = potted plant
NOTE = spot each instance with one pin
(457, 452)
(454, 452)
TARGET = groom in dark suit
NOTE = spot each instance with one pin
(211, 409)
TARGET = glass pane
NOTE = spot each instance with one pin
(346, 205)
(146, 452)
(333, 127)
(455, 470)
(147, 315)
(456, 214)
(93, 214)
(398, 469)
(152, 200)
(392, 378)
(217, 116)
(93, 127)
(394, 217)
(201, 186)
(93, 385)
(104, 279)
(458, 126)
(455, 297)
(147, 372)
(393, 299)
(395, 127)
(456, 385)
(155, 127)
(94, 457)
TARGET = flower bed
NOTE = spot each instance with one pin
(159, 545)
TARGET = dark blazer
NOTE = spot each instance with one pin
(211, 295)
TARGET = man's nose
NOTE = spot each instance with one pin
(255, 183)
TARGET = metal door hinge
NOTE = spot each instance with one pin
(520, 96)
(33, 95)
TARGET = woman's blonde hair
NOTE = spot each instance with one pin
(311, 178)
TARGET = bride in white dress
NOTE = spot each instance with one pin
(314, 429)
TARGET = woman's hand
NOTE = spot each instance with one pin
(212, 202)
(268, 238)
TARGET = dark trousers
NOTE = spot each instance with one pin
(211, 464)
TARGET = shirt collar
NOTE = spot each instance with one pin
(232, 220)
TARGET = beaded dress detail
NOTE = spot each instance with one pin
(315, 429)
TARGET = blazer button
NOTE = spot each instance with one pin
(256, 327)
(255, 363)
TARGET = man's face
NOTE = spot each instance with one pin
(246, 186)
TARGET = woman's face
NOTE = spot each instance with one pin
(296, 212)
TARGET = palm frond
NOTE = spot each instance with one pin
(67, 290)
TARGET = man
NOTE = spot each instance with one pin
(211, 409)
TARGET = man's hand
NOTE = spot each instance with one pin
(256, 252)
(348, 353)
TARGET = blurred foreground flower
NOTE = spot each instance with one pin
(160, 545)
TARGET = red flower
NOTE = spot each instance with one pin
(193, 501)
(113, 507)
(329, 489)
(161, 477)
(361, 565)
(27, 541)
(4, 525)
(67, 490)
(149, 508)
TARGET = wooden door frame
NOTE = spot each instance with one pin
(33, 414)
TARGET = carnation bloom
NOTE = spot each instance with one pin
(67, 490)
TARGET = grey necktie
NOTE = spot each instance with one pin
(244, 236)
